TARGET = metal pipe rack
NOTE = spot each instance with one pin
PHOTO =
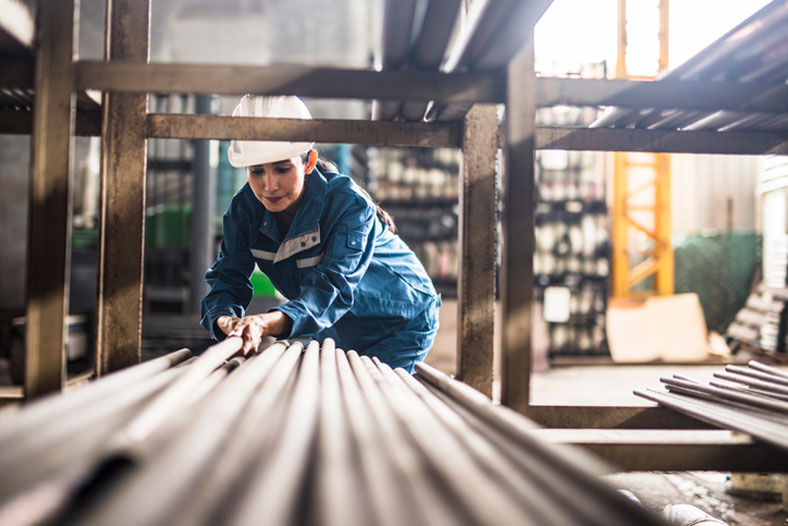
(504, 75)
(291, 435)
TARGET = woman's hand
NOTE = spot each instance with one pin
(252, 328)
(226, 324)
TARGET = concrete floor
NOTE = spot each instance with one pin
(613, 385)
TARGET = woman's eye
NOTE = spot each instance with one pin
(281, 170)
(257, 172)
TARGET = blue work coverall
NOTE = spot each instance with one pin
(345, 274)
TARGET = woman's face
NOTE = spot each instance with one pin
(280, 185)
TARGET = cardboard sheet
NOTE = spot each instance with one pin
(661, 328)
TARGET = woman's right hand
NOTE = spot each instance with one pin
(227, 324)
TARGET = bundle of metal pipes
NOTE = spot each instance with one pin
(753, 52)
(752, 400)
(425, 35)
(290, 435)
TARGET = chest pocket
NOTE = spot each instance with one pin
(355, 240)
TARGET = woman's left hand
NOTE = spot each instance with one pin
(252, 328)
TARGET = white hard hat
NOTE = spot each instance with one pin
(250, 153)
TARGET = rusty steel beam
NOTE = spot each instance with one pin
(50, 201)
(122, 204)
(304, 81)
(477, 235)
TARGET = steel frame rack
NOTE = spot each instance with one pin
(124, 125)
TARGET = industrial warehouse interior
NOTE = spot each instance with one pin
(536, 272)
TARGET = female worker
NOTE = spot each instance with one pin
(324, 245)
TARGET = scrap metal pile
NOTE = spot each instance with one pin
(291, 435)
(752, 400)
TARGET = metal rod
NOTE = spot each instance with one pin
(339, 483)
(54, 446)
(431, 44)
(443, 451)
(718, 415)
(772, 405)
(168, 402)
(568, 491)
(77, 467)
(48, 409)
(153, 493)
(521, 485)
(754, 382)
(763, 414)
(391, 470)
(430, 501)
(250, 439)
(630, 140)
(280, 478)
(764, 394)
(670, 94)
(758, 366)
(551, 457)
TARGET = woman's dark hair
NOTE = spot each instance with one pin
(324, 165)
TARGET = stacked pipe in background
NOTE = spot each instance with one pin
(290, 436)
(752, 52)
(752, 400)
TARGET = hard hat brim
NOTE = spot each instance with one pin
(260, 152)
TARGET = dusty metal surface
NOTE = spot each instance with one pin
(50, 203)
(662, 141)
(304, 81)
(432, 135)
(122, 208)
(476, 281)
(518, 232)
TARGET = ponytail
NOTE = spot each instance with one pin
(386, 219)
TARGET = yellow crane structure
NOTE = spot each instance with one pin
(642, 251)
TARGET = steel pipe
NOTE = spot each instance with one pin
(758, 366)
(290, 436)
(714, 413)
(250, 437)
(155, 414)
(151, 494)
(280, 478)
(543, 461)
(763, 385)
(46, 410)
(772, 405)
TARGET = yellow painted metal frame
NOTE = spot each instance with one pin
(658, 262)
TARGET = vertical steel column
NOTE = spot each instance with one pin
(203, 204)
(50, 199)
(476, 280)
(518, 230)
(122, 220)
